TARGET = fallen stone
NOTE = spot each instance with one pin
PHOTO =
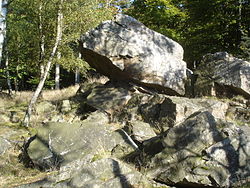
(66, 107)
(141, 131)
(163, 112)
(101, 173)
(108, 98)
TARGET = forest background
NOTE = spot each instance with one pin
(39, 36)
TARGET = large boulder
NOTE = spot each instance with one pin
(203, 152)
(221, 74)
(124, 49)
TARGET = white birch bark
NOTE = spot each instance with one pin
(77, 73)
(42, 70)
(3, 30)
(57, 73)
(77, 77)
(39, 88)
(42, 42)
(3, 16)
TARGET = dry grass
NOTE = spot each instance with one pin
(55, 95)
(14, 173)
(24, 97)
(97, 79)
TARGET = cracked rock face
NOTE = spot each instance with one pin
(124, 49)
(203, 152)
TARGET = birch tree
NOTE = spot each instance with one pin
(42, 40)
(39, 88)
(57, 72)
(79, 17)
(3, 16)
(3, 41)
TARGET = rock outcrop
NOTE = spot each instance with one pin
(124, 49)
(203, 152)
(173, 140)
(87, 154)
(130, 132)
(221, 74)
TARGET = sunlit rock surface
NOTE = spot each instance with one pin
(124, 49)
(221, 74)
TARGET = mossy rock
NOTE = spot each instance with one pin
(57, 144)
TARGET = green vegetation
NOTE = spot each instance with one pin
(31, 35)
(201, 26)
(245, 186)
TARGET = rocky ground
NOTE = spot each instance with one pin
(114, 135)
(154, 124)
(12, 136)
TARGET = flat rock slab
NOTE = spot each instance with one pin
(108, 99)
(57, 144)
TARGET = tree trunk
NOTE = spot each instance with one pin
(8, 75)
(42, 42)
(39, 88)
(3, 41)
(57, 73)
(3, 15)
(77, 73)
(42, 70)
(16, 85)
(77, 77)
